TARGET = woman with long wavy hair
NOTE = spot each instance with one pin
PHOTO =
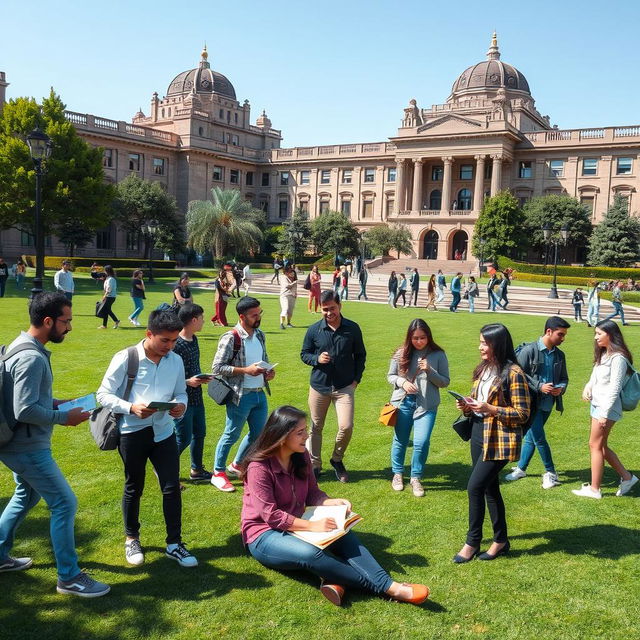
(431, 293)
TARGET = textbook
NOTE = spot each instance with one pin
(322, 539)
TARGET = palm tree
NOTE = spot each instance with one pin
(227, 222)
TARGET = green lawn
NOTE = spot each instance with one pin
(573, 571)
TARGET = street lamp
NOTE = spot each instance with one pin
(547, 231)
(296, 236)
(149, 229)
(40, 147)
(481, 243)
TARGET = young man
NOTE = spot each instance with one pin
(414, 283)
(277, 265)
(147, 434)
(363, 276)
(546, 369)
(4, 276)
(191, 429)
(616, 301)
(244, 344)
(29, 404)
(441, 283)
(334, 348)
(456, 288)
(63, 280)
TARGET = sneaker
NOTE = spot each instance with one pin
(396, 482)
(233, 470)
(281, 326)
(416, 486)
(550, 480)
(133, 552)
(102, 327)
(84, 586)
(290, 325)
(15, 564)
(516, 474)
(116, 325)
(132, 321)
(220, 481)
(586, 491)
(181, 555)
(199, 475)
(341, 472)
(332, 592)
(625, 487)
(137, 323)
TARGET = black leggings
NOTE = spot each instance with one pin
(135, 449)
(484, 484)
(402, 293)
(107, 313)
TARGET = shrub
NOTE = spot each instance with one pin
(601, 273)
(54, 262)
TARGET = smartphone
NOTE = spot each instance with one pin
(204, 376)
(459, 396)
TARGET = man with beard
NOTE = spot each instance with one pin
(31, 410)
(245, 343)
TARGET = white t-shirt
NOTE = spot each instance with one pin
(253, 352)
(486, 380)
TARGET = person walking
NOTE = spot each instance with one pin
(277, 265)
(473, 291)
(240, 359)
(138, 296)
(577, 300)
(417, 372)
(363, 277)
(246, 278)
(181, 293)
(21, 274)
(4, 276)
(344, 283)
(314, 288)
(336, 279)
(503, 288)
(63, 280)
(612, 362)
(220, 298)
(593, 303)
(545, 366)
(414, 283)
(32, 411)
(392, 285)
(401, 291)
(288, 295)
(616, 301)
(441, 284)
(499, 405)
(110, 288)
(431, 293)
(333, 347)
(456, 292)
(491, 294)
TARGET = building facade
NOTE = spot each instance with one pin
(432, 176)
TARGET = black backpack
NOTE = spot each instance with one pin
(533, 395)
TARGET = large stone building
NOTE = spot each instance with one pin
(432, 175)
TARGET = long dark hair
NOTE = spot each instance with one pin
(616, 342)
(498, 338)
(405, 352)
(108, 269)
(280, 424)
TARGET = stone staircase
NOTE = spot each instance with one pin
(425, 267)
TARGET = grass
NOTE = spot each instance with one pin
(573, 572)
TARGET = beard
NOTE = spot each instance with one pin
(56, 336)
(256, 323)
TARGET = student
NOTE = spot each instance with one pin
(441, 283)
(363, 276)
(277, 265)
(221, 297)
(414, 281)
(473, 291)
(593, 300)
(4, 276)
(545, 366)
(21, 274)
(616, 301)
(344, 283)
(147, 434)
(401, 291)
(577, 300)
(503, 288)
(314, 288)
(63, 280)
(28, 398)
(288, 296)
(278, 484)
(110, 288)
(392, 286)
(456, 292)
(612, 360)
(417, 372)
(191, 428)
(182, 293)
(431, 293)
(138, 296)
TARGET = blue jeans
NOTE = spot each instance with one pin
(37, 475)
(20, 283)
(138, 304)
(472, 303)
(617, 306)
(494, 301)
(593, 313)
(346, 561)
(422, 428)
(455, 301)
(191, 430)
(251, 409)
(536, 439)
(363, 291)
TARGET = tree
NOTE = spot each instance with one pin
(332, 232)
(401, 239)
(500, 226)
(288, 244)
(76, 200)
(615, 241)
(380, 239)
(228, 223)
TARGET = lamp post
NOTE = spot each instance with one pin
(149, 229)
(40, 146)
(296, 237)
(547, 231)
(481, 243)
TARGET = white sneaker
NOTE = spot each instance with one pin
(550, 480)
(396, 482)
(133, 553)
(625, 486)
(586, 491)
(516, 474)
(416, 486)
(220, 481)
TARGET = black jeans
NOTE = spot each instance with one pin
(414, 295)
(401, 294)
(484, 484)
(107, 313)
(135, 449)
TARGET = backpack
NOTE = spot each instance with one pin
(8, 422)
(307, 283)
(630, 392)
(533, 394)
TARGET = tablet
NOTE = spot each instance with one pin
(163, 406)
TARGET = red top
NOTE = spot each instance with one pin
(273, 497)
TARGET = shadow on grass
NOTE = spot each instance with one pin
(437, 477)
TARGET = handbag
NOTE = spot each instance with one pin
(219, 390)
(103, 422)
(463, 426)
(388, 415)
(307, 283)
(99, 308)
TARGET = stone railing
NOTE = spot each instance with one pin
(451, 213)
(336, 151)
(552, 137)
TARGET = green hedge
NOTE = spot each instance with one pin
(534, 277)
(54, 262)
(602, 273)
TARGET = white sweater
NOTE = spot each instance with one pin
(605, 384)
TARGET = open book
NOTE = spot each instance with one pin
(322, 539)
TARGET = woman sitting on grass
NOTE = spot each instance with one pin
(279, 484)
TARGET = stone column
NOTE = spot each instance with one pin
(416, 203)
(478, 189)
(400, 187)
(496, 174)
(445, 205)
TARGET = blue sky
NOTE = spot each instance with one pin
(326, 72)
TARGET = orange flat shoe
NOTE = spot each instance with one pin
(420, 593)
(332, 592)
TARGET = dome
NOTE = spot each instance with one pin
(490, 74)
(203, 79)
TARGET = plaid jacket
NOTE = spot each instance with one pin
(503, 432)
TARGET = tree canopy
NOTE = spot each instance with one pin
(382, 238)
(332, 232)
(288, 244)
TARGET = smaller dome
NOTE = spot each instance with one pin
(203, 79)
(263, 121)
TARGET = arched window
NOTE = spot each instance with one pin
(435, 200)
(464, 199)
(458, 246)
(430, 246)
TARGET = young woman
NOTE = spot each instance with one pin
(393, 288)
(498, 406)
(417, 372)
(278, 485)
(21, 274)
(401, 291)
(182, 293)
(344, 283)
(431, 293)
(336, 279)
(288, 295)
(314, 292)
(577, 301)
(110, 288)
(612, 360)
(473, 292)
(221, 296)
(137, 296)
(246, 278)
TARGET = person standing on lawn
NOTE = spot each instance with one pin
(392, 286)
(110, 288)
(63, 280)
(29, 406)
(545, 366)
(288, 296)
(431, 293)
(414, 282)
(441, 283)
(4, 276)
(334, 348)
(593, 304)
(402, 291)
(577, 300)
(138, 296)
(456, 292)
(473, 291)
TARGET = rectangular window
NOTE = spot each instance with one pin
(265, 178)
(26, 239)
(107, 158)
(346, 176)
(304, 206)
(525, 170)
(283, 208)
(133, 241)
(218, 173)
(325, 176)
(235, 118)
(466, 172)
(391, 174)
(345, 207)
(134, 162)
(624, 166)
(556, 168)
(324, 206)
(589, 166)
(391, 203)
(158, 166)
(367, 209)
(234, 176)
(305, 176)
(221, 113)
(437, 171)
(103, 238)
(235, 140)
(488, 170)
(248, 178)
(284, 178)
(587, 201)
(369, 175)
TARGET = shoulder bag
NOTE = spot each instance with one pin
(219, 390)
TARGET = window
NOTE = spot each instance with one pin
(221, 113)
(134, 162)
(107, 158)
(391, 203)
(369, 175)
(624, 166)
(466, 172)
(305, 176)
(234, 176)
(133, 241)
(27, 239)
(158, 166)
(345, 207)
(235, 141)
(218, 173)
(488, 170)
(587, 201)
(248, 178)
(324, 206)
(437, 171)
(227, 137)
(265, 178)
(264, 205)
(391, 174)
(435, 200)
(284, 178)
(325, 176)
(367, 208)
(589, 166)
(304, 206)
(556, 168)
(200, 131)
(235, 118)
(525, 170)
(103, 238)
(229, 116)
(464, 200)
(346, 176)
(283, 208)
